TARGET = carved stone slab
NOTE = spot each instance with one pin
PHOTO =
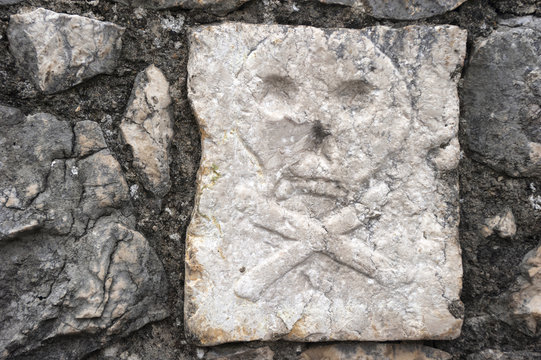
(327, 202)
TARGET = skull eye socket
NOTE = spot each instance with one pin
(353, 90)
(279, 86)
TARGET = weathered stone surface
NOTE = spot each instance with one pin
(523, 21)
(70, 263)
(157, 341)
(61, 50)
(504, 225)
(500, 355)
(218, 7)
(147, 128)
(88, 138)
(107, 283)
(401, 9)
(9, 2)
(518, 7)
(502, 99)
(526, 301)
(327, 193)
(27, 152)
(10, 116)
(374, 352)
(103, 183)
(240, 353)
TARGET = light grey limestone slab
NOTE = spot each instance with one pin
(401, 9)
(60, 50)
(147, 128)
(327, 200)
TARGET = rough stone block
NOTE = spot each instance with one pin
(327, 201)
(61, 50)
(9, 2)
(147, 128)
(71, 265)
(401, 9)
(373, 351)
(525, 302)
(501, 98)
(218, 7)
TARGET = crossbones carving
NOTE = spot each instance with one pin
(309, 236)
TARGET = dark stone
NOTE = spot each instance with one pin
(517, 7)
(501, 100)
(401, 9)
(71, 265)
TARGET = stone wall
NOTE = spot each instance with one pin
(100, 149)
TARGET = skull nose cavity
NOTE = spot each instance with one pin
(319, 132)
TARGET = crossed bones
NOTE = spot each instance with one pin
(309, 237)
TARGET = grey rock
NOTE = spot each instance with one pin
(106, 283)
(374, 352)
(114, 282)
(327, 199)
(104, 185)
(58, 202)
(9, 2)
(157, 341)
(500, 355)
(525, 304)
(70, 262)
(28, 152)
(524, 21)
(218, 7)
(517, 7)
(240, 353)
(59, 50)
(401, 9)
(503, 224)
(147, 128)
(10, 116)
(88, 138)
(502, 99)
